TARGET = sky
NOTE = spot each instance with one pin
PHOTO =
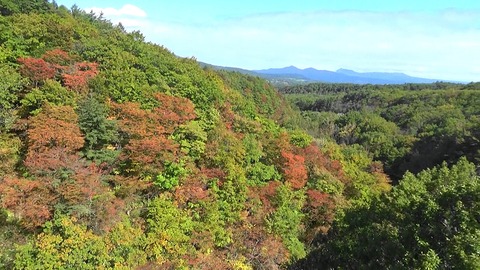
(424, 38)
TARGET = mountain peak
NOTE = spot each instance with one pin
(346, 71)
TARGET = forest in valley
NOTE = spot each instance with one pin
(117, 154)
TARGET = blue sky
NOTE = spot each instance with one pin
(434, 39)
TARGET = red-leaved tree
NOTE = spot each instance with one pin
(38, 70)
(77, 76)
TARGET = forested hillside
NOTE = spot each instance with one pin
(117, 154)
(426, 136)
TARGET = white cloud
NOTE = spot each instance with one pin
(126, 10)
(131, 17)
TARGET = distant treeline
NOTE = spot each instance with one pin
(325, 88)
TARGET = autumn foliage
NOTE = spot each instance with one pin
(120, 154)
(53, 138)
(30, 200)
(77, 76)
(147, 131)
(38, 70)
(58, 58)
(58, 63)
(295, 170)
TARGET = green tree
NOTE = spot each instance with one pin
(63, 245)
(101, 134)
(10, 87)
(429, 221)
(168, 231)
(287, 218)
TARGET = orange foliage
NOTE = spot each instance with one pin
(316, 160)
(50, 159)
(107, 213)
(260, 247)
(213, 173)
(53, 138)
(191, 190)
(75, 76)
(228, 115)
(151, 150)
(29, 200)
(317, 198)
(34, 200)
(294, 170)
(266, 194)
(55, 126)
(148, 131)
(173, 111)
(83, 185)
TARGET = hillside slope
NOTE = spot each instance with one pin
(118, 154)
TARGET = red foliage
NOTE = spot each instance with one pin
(33, 201)
(54, 138)
(29, 200)
(266, 194)
(55, 126)
(228, 115)
(36, 69)
(107, 213)
(259, 246)
(75, 76)
(317, 198)
(316, 160)
(151, 149)
(83, 186)
(213, 173)
(148, 140)
(321, 209)
(50, 159)
(294, 170)
(79, 74)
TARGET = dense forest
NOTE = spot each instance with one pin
(407, 127)
(429, 220)
(117, 154)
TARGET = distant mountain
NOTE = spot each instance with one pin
(342, 76)
(292, 75)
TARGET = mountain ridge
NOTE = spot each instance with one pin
(345, 76)
(291, 75)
